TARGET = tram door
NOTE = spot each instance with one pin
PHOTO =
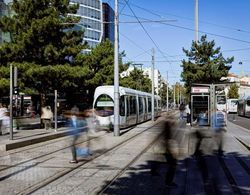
(200, 110)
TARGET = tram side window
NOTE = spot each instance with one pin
(159, 105)
(128, 107)
(149, 105)
(122, 105)
(248, 102)
(132, 105)
(140, 105)
(155, 105)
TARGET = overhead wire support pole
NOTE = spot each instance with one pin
(116, 75)
(174, 95)
(11, 102)
(153, 91)
(196, 20)
(167, 91)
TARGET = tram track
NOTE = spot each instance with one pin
(43, 155)
(36, 186)
(121, 172)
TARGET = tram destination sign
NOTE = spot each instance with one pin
(200, 90)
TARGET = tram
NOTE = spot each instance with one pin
(135, 107)
(243, 108)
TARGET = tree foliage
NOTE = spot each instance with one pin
(47, 49)
(41, 32)
(163, 94)
(233, 91)
(205, 63)
(137, 80)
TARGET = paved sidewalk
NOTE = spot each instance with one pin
(26, 137)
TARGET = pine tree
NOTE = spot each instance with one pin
(41, 32)
(205, 64)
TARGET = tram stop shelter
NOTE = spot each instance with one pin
(208, 104)
(200, 105)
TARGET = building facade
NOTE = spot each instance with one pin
(158, 79)
(4, 10)
(108, 22)
(242, 82)
(90, 12)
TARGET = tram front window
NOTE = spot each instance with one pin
(104, 106)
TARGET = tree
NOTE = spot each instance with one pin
(41, 32)
(163, 93)
(136, 80)
(100, 65)
(233, 91)
(205, 64)
(44, 46)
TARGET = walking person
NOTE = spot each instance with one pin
(188, 113)
(47, 116)
(74, 117)
(182, 109)
(3, 111)
(171, 153)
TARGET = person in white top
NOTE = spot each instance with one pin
(47, 116)
(188, 114)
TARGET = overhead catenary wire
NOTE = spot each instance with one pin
(191, 29)
(144, 29)
(154, 12)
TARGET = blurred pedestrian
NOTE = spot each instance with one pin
(47, 116)
(3, 111)
(79, 122)
(188, 114)
(74, 114)
(182, 109)
(171, 152)
(219, 128)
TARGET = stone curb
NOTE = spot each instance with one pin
(14, 144)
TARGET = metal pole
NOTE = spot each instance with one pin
(180, 94)
(153, 91)
(116, 76)
(11, 102)
(15, 86)
(212, 104)
(55, 110)
(167, 91)
(196, 20)
(174, 95)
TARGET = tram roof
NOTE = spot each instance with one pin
(122, 90)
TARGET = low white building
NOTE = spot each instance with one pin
(242, 82)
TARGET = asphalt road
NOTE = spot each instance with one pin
(239, 120)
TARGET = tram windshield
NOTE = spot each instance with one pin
(104, 105)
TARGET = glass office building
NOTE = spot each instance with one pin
(4, 10)
(90, 12)
(108, 22)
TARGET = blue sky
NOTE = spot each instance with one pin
(225, 21)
